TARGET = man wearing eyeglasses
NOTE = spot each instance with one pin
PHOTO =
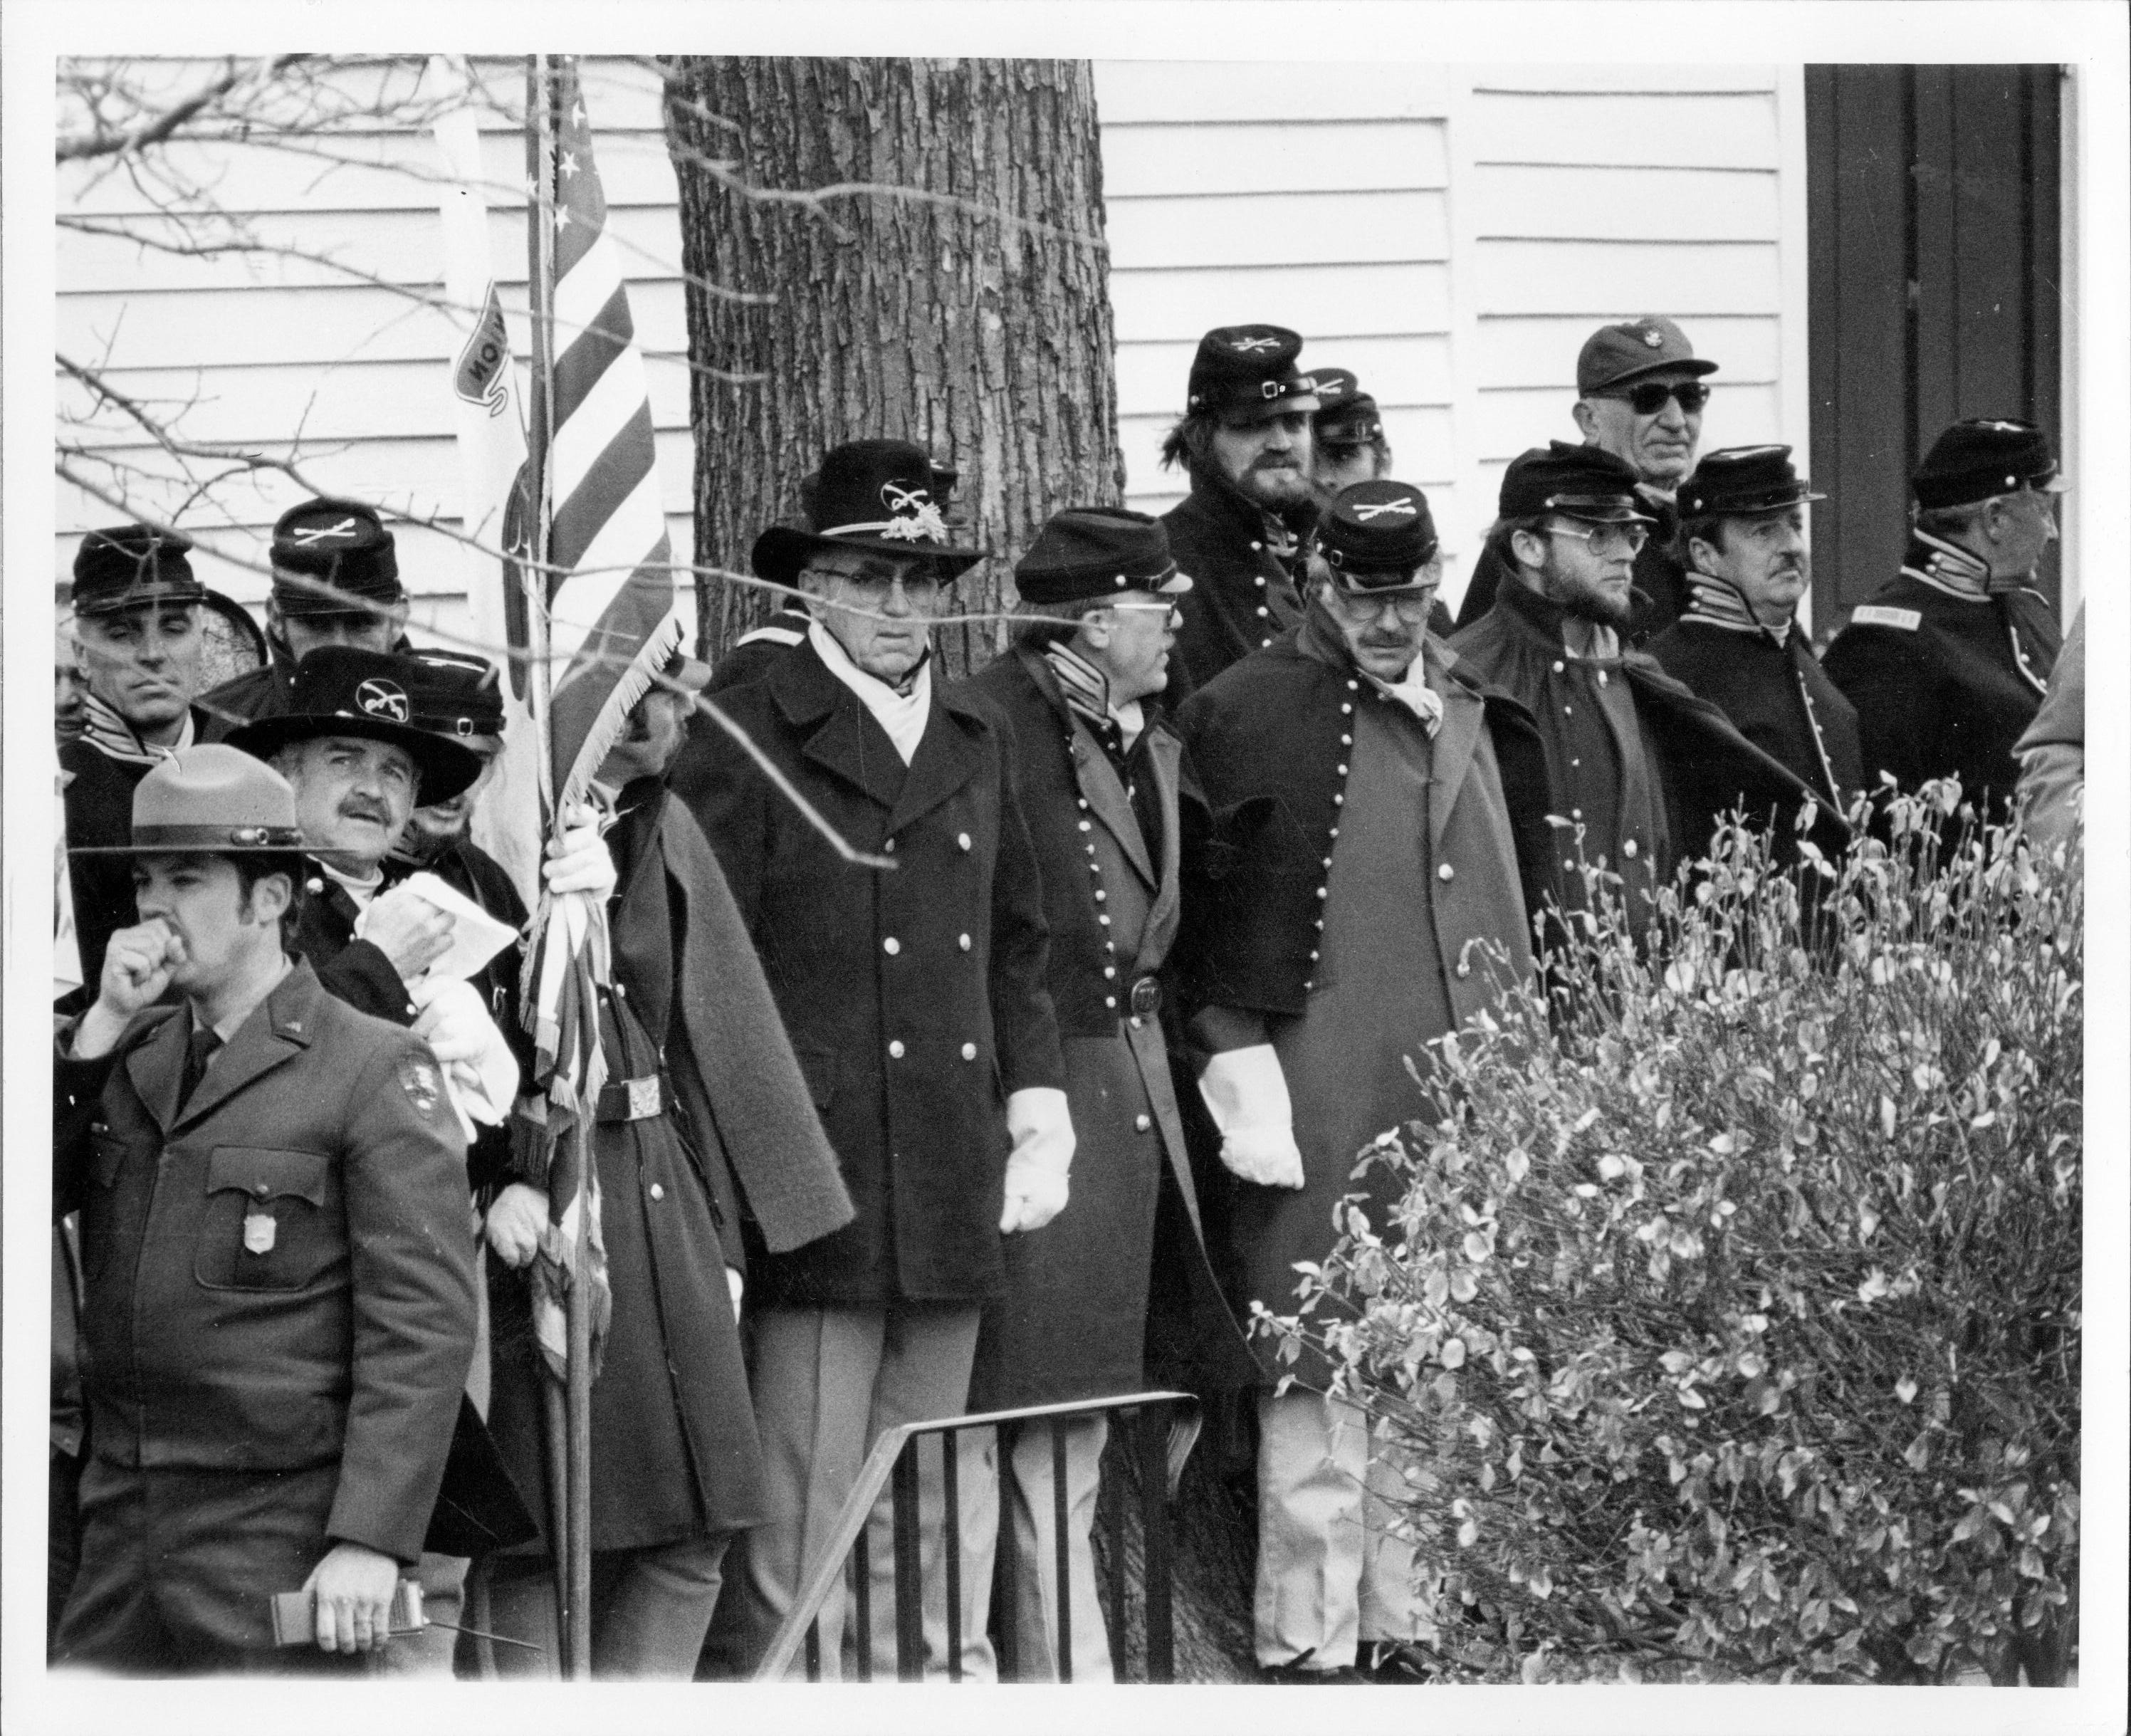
(914, 995)
(1361, 891)
(1948, 662)
(1638, 769)
(1640, 394)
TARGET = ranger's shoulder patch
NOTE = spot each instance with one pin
(418, 1079)
(1878, 614)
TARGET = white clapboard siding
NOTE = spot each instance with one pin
(335, 353)
(1269, 156)
(1691, 130)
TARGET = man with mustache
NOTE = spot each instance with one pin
(1244, 440)
(1640, 394)
(336, 583)
(1640, 769)
(1360, 892)
(136, 651)
(915, 1002)
(1948, 662)
(1739, 644)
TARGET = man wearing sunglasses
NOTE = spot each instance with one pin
(1361, 891)
(1948, 662)
(1638, 769)
(1639, 396)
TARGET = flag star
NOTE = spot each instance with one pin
(561, 219)
(577, 113)
(569, 163)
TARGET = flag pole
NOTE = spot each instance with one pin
(569, 1413)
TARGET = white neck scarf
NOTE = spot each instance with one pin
(116, 739)
(1598, 642)
(902, 715)
(1412, 690)
(361, 890)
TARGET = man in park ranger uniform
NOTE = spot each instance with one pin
(1098, 767)
(1948, 662)
(916, 1003)
(1360, 893)
(279, 1304)
(1245, 441)
(1739, 644)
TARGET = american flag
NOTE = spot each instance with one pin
(611, 626)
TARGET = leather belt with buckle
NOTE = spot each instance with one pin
(1146, 998)
(629, 1100)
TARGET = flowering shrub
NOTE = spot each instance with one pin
(1731, 1321)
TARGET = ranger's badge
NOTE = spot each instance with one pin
(418, 1080)
(258, 1232)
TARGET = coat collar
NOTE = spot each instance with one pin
(1099, 785)
(279, 1027)
(841, 736)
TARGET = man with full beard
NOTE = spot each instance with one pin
(1244, 439)
(1638, 769)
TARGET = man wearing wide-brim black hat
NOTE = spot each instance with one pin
(914, 997)
(1739, 644)
(1361, 891)
(1949, 660)
(280, 1305)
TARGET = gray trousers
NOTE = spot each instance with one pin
(650, 1609)
(1022, 1479)
(826, 1382)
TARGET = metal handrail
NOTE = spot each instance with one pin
(888, 1459)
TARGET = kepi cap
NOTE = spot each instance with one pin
(1584, 482)
(1740, 480)
(132, 567)
(342, 544)
(345, 690)
(1614, 355)
(210, 797)
(1346, 415)
(1098, 551)
(1985, 457)
(1376, 535)
(1247, 373)
(455, 694)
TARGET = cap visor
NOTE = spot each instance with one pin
(1249, 412)
(1692, 365)
(139, 597)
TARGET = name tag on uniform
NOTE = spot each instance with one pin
(1878, 614)
(258, 1233)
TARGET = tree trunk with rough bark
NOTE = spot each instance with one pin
(946, 283)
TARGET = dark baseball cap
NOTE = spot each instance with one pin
(1247, 373)
(1584, 482)
(1614, 355)
(1985, 457)
(1741, 481)
(1375, 535)
(132, 567)
(340, 543)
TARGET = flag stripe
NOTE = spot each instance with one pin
(591, 345)
(607, 493)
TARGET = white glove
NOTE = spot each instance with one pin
(1043, 1130)
(1246, 1093)
(578, 859)
(481, 1074)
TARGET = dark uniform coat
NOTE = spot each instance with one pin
(339, 1334)
(674, 1451)
(1945, 682)
(1075, 1313)
(98, 797)
(1776, 693)
(1661, 593)
(1242, 594)
(1664, 739)
(915, 997)
(1336, 819)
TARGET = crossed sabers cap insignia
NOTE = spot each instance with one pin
(914, 514)
(1402, 507)
(307, 535)
(1248, 346)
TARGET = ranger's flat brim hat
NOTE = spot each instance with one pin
(210, 799)
(875, 494)
(1377, 537)
(1739, 482)
(1583, 482)
(1087, 552)
(343, 690)
(1984, 457)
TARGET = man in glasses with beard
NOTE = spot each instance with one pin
(1639, 396)
(1245, 441)
(1639, 767)
(1739, 644)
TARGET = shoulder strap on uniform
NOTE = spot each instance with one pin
(1880, 615)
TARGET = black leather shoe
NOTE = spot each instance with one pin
(1397, 1662)
(1290, 1674)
